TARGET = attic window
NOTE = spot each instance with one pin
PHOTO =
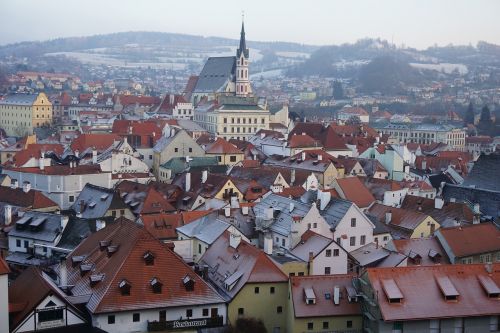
(156, 285)
(188, 283)
(309, 296)
(104, 244)
(124, 286)
(85, 268)
(95, 278)
(112, 249)
(392, 291)
(149, 258)
(435, 256)
(489, 286)
(77, 260)
(449, 291)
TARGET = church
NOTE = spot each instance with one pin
(225, 103)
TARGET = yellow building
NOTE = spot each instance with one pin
(21, 113)
(225, 152)
(323, 303)
(253, 284)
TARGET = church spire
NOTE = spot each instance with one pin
(243, 45)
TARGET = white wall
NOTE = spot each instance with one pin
(337, 264)
(124, 323)
(123, 163)
(394, 198)
(363, 227)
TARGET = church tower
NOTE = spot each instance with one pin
(243, 87)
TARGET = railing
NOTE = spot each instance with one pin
(186, 323)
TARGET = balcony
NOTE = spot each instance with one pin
(155, 326)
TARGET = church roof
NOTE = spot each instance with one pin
(215, 74)
(243, 44)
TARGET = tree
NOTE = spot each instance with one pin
(469, 115)
(353, 120)
(338, 91)
(485, 124)
(247, 325)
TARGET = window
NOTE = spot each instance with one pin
(162, 315)
(301, 274)
(225, 120)
(362, 241)
(136, 317)
(327, 271)
(232, 158)
(26, 244)
(122, 212)
(315, 225)
(325, 325)
(111, 319)
(283, 242)
(279, 309)
(71, 198)
(349, 324)
(199, 248)
(352, 241)
(18, 242)
(190, 149)
(310, 326)
(189, 313)
(397, 326)
(256, 290)
(50, 315)
(353, 222)
(336, 252)
(271, 290)
(328, 253)
(176, 150)
(241, 311)
(205, 312)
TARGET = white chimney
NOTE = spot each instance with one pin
(64, 221)
(262, 135)
(100, 224)
(234, 240)
(336, 295)
(292, 207)
(171, 99)
(269, 213)
(388, 217)
(8, 214)
(227, 211)
(438, 203)
(77, 153)
(204, 176)
(303, 156)
(188, 181)
(292, 177)
(320, 157)
(26, 187)
(324, 199)
(476, 209)
(63, 272)
(268, 244)
(424, 164)
(244, 210)
(14, 183)
(94, 155)
(41, 161)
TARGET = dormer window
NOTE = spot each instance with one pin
(309, 296)
(112, 249)
(188, 283)
(489, 286)
(156, 285)
(95, 279)
(149, 258)
(85, 268)
(104, 244)
(392, 291)
(124, 286)
(76, 260)
(447, 288)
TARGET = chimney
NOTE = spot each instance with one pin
(64, 221)
(26, 186)
(424, 164)
(292, 177)
(268, 244)
(77, 153)
(100, 224)
(336, 295)
(8, 214)
(269, 213)
(234, 240)
(188, 181)
(303, 156)
(227, 211)
(262, 135)
(438, 202)
(14, 184)
(94, 155)
(244, 209)
(376, 242)
(171, 96)
(476, 208)
(388, 217)
(204, 176)
(63, 272)
(41, 161)
(82, 206)
(292, 207)
(320, 157)
(324, 199)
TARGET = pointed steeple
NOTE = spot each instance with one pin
(243, 45)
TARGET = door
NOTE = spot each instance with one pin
(163, 315)
(214, 312)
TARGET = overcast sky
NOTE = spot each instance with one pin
(416, 23)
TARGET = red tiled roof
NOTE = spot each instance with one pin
(32, 199)
(35, 150)
(126, 100)
(221, 146)
(354, 190)
(479, 139)
(423, 298)
(293, 191)
(472, 239)
(421, 246)
(162, 226)
(99, 141)
(155, 202)
(400, 217)
(302, 141)
(354, 110)
(62, 170)
(167, 106)
(250, 163)
(127, 264)
(188, 217)
(4, 268)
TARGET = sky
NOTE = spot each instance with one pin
(415, 23)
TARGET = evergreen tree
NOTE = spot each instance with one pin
(485, 124)
(469, 115)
